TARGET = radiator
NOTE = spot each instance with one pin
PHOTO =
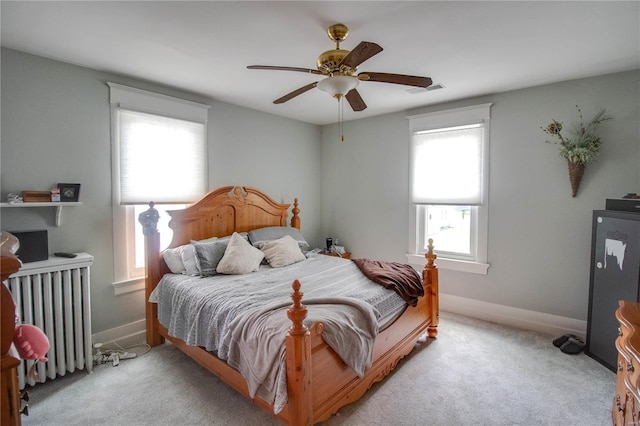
(54, 295)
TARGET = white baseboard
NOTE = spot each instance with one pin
(529, 320)
(126, 335)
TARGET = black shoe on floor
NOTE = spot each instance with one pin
(563, 339)
(572, 346)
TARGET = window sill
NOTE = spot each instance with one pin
(128, 286)
(451, 264)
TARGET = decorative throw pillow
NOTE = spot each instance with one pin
(240, 257)
(282, 252)
(208, 255)
(258, 237)
(189, 260)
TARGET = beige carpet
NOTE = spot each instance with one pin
(474, 373)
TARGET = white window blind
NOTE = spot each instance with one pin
(447, 166)
(160, 148)
(161, 159)
(448, 151)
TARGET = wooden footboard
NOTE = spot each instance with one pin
(333, 384)
(318, 381)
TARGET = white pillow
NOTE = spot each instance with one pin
(282, 252)
(173, 259)
(240, 257)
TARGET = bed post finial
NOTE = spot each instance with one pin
(295, 219)
(149, 220)
(430, 255)
(297, 312)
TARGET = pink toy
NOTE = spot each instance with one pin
(31, 342)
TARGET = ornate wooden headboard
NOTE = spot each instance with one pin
(221, 212)
(226, 210)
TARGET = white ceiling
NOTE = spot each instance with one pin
(471, 48)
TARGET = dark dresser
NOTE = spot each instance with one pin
(615, 276)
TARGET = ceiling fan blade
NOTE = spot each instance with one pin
(276, 68)
(408, 80)
(295, 93)
(355, 100)
(361, 53)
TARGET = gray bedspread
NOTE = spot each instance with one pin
(240, 316)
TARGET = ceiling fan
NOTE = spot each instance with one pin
(339, 66)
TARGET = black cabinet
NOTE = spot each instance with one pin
(615, 275)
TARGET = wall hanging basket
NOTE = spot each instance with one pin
(581, 147)
(576, 170)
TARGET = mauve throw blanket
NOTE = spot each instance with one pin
(399, 277)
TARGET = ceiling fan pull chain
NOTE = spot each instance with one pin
(341, 117)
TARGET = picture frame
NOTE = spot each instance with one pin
(69, 192)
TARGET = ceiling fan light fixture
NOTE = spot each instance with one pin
(338, 85)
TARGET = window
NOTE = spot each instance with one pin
(448, 187)
(158, 154)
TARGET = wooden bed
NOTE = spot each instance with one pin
(318, 381)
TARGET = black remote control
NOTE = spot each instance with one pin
(63, 254)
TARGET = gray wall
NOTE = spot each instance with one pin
(539, 236)
(56, 128)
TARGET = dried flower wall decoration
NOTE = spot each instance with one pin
(581, 147)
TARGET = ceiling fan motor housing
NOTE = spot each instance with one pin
(329, 62)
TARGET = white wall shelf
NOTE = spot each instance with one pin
(58, 207)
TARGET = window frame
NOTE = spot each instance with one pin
(478, 263)
(128, 278)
